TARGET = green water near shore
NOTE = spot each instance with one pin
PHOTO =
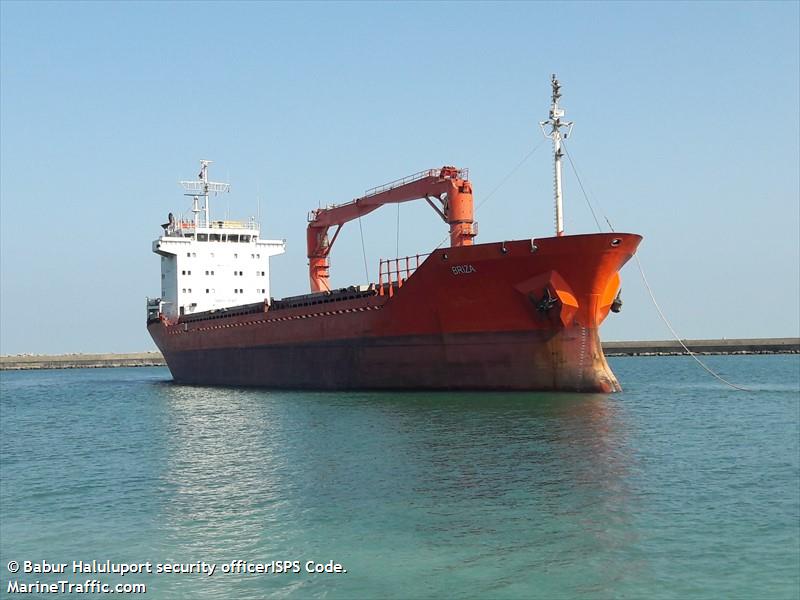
(675, 488)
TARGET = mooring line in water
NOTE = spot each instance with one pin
(647, 285)
(677, 337)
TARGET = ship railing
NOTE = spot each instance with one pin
(233, 225)
(441, 172)
(153, 309)
(459, 173)
(395, 271)
(186, 225)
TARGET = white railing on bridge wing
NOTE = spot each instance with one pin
(184, 224)
(233, 225)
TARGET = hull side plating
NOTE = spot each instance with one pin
(517, 315)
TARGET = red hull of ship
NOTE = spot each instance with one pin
(518, 315)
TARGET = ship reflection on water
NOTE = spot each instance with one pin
(671, 489)
(351, 476)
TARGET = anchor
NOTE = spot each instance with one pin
(546, 303)
(616, 305)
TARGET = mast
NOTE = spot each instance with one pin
(555, 123)
(202, 188)
(204, 178)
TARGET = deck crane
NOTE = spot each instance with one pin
(447, 190)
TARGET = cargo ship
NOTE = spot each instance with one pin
(508, 315)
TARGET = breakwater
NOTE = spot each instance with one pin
(724, 346)
(637, 348)
(81, 361)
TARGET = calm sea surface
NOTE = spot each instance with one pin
(676, 488)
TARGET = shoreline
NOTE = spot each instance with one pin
(615, 349)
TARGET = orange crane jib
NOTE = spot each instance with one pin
(447, 190)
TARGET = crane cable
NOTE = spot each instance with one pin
(650, 290)
(363, 249)
(502, 182)
(397, 241)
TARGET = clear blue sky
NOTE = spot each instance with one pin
(687, 132)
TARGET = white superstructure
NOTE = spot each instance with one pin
(207, 265)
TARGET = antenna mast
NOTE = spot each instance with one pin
(201, 188)
(554, 134)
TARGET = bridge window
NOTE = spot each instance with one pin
(202, 237)
(233, 238)
(214, 237)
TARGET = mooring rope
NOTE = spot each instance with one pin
(677, 337)
(649, 289)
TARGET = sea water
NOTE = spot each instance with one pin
(677, 487)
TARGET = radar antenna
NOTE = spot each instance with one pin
(555, 123)
(202, 187)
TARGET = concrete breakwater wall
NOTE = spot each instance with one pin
(641, 348)
(81, 361)
(723, 346)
